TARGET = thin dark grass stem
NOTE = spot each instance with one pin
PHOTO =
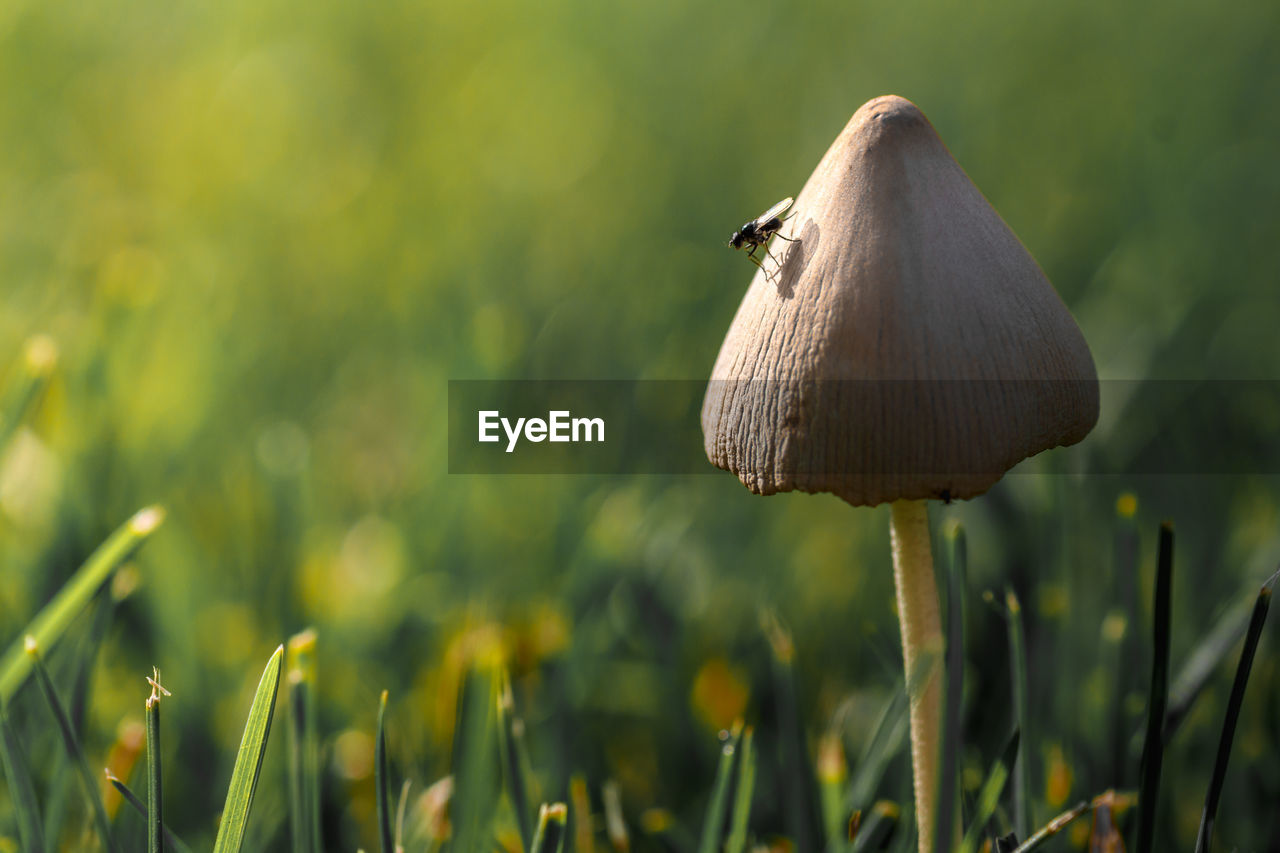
(72, 744)
(175, 843)
(1158, 698)
(383, 781)
(22, 792)
(1023, 816)
(1204, 837)
(510, 729)
(155, 813)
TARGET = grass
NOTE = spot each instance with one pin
(155, 785)
(248, 766)
(486, 802)
(382, 780)
(1158, 697)
(490, 735)
(21, 789)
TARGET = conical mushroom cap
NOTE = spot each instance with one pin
(906, 345)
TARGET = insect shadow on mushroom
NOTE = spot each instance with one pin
(795, 261)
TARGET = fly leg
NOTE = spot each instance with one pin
(751, 255)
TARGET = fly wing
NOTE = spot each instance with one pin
(777, 210)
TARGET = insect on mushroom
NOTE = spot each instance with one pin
(756, 232)
(928, 355)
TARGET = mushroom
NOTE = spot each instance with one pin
(905, 346)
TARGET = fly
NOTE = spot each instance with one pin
(756, 232)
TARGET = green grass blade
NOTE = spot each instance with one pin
(989, 794)
(1153, 746)
(737, 840)
(23, 794)
(175, 843)
(1204, 837)
(1023, 817)
(833, 778)
(887, 741)
(475, 764)
(304, 750)
(401, 809)
(583, 834)
(39, 357)
(510, 730)
(713, 825)
(550, 835)
(70, 742)
(944, 826)
(58, 792)
(48, 627)
(1204, 661)
(799, 782)
(244, 777)
(382, 779)
(155, 811)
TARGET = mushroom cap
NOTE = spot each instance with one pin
(905, 345)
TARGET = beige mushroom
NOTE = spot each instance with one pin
(905, 346)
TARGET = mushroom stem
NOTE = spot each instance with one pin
(921, 652)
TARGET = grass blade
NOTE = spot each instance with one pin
(989, 794)
(400, 812)
(39, 357)
(1053, 827)
(58, 792)
(1104, 835)
(877, 830)
(175, 843)
(1111, 799)
(799, 782)
(382, 779)
(550, 835)
(887, 741)
(833, 776)
(155, 813)
(737, 841)
(713, 826)
(1023, 818)
(244, 777)
(510, 741)
(948, 774)
(584, 840)
(614, 826)
(475, 765)
(304, 752)
(1205, 836)
(1153, 746)
(23, 794)
(48, 627)
(71, 742)
(1204, 661)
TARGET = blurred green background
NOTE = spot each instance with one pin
(264, 235)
